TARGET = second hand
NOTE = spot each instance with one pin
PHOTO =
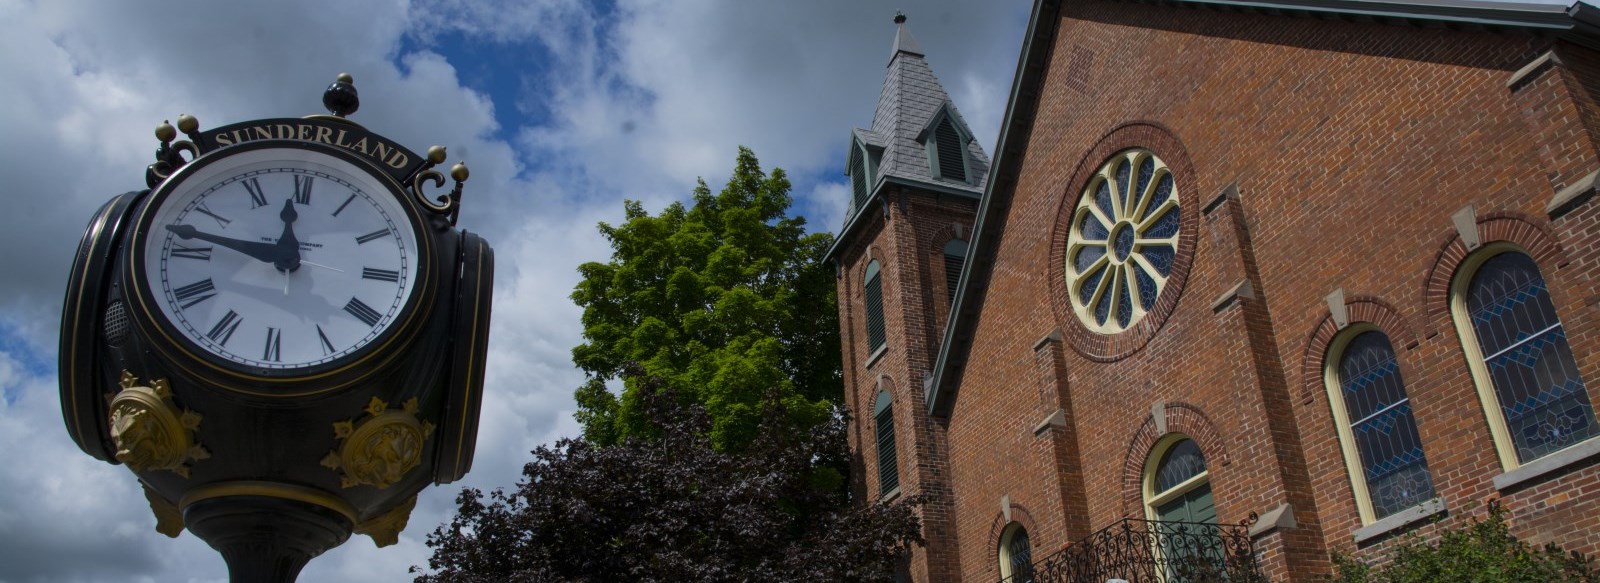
(304, 262)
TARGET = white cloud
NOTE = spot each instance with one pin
(635, 103)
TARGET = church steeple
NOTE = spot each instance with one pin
(918, 138)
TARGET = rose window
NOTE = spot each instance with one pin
(1123, 240)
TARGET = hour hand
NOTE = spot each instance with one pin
(267, 252)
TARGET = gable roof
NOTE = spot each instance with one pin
(910, 99)
(1578, 23)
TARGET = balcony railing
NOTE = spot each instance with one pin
(1150, 551)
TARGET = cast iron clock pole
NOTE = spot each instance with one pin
(283, 337)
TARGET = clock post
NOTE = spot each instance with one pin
(283, 337)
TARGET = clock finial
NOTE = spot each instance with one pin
(341, 98)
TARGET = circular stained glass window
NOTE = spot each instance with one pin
(1123, 241)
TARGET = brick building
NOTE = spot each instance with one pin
(1323, 269)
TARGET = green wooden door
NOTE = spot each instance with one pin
(1190, 553)
(1193, 506)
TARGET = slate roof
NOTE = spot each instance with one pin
(910, 99)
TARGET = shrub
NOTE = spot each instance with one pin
(1482, 550)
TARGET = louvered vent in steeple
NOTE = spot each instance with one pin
(858, 177)
(951, 151)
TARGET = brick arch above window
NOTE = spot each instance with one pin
(997, 528)
(933, 248)
(885, 383)
(1531, 234)
(1182, 418)
(1361, 308)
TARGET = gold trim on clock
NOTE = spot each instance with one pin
(293, 492)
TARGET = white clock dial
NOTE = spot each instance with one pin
(280, 258)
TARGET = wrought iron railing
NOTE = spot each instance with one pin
(1151, 551)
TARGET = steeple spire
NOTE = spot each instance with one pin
(903, 41)
(917, 139)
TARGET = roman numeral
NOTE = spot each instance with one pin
(302, 189)
(223, 331)
(345, 204)
(257, 198)
(274, 344)
(379, 274)
(373, 236)
(362, 312)
(327, 347)
(195, 293)
(203, 253)
(221, 222)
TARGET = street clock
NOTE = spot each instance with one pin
(283, 337)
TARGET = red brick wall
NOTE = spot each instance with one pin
(907, 238)
(1351, 145)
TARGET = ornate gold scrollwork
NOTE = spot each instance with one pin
(448, 204)
(150, 432)
(380, 449)
(385, 528)
(168, 158)
(169, 520)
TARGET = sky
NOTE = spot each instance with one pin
(561, 108)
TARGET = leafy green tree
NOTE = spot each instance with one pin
(673, 508)
(1482, 550)
(724, 300)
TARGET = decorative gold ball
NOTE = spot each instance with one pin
(345, 78)
(165, 132)
(459, 172)
(436, 154)
(188, 124)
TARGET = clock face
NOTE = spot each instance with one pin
(281, 259)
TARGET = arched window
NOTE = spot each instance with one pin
(955, 255)
(1177, 491)
(1176, 485)
(1016, 555)
(873, 290)
(1517, 349)
(1377, 429)
(888, 461)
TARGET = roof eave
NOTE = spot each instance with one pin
(1575, 23)
(1042, 26)
(853, 224)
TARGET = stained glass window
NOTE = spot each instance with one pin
(1122, 242)
(873, 291)
(1181, 462)
(1382, 427)
(1524, 348)
(1016, 555)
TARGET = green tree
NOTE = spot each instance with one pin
(723, 300)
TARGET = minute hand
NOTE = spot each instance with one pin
(266, 252)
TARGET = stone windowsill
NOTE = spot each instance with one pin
(877, 354)
(890, 496)
(1400, 520)
(1548, 464)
